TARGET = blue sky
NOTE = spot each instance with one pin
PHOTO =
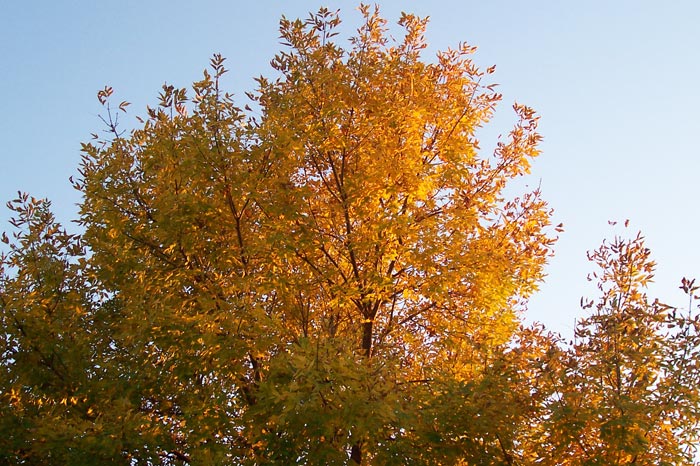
(615, 82)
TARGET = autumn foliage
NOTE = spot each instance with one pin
(335, 276)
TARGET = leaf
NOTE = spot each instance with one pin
(104, 94)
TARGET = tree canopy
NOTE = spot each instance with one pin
(335, 276)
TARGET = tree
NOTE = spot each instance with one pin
(333, 277)
(293, 287)
(627, 389)
(57, 388)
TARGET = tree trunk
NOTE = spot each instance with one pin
(367, 329)
(356, 453)
(367, 337)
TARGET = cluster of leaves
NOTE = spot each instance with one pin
(336, 280)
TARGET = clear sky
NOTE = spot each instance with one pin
(615, 82)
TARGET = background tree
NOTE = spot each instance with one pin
(55, 379)
(627, 391)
